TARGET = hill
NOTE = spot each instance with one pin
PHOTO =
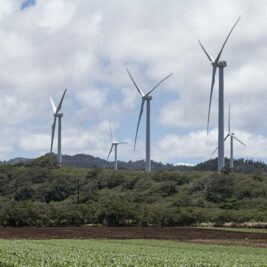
(89, 161)
(240, 166)
(41, 193)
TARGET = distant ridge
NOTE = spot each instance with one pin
(89, 161)
(16, 161)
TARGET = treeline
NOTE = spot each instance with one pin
(240, 166)
(88, 161)
(116, 212)
(43, 194)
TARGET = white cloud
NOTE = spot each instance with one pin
(35, 142)
(86, 46)
(56, 14)
(198, 145)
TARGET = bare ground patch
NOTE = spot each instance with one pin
(198, 235)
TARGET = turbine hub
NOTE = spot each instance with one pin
(60, 115)
(148, 97)
(222, 64)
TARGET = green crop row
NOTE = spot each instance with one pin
(59, 253)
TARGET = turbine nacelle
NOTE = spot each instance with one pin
(115, 143)
(58, 115)
(221, 64)
(147, 97)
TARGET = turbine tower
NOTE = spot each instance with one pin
(146, 97)
(221, 65)
(57, 115)
(115, 145)
(232, 137)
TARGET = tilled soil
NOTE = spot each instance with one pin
(168, 233)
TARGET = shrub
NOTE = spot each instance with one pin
(115, 210)
(219, 188)
(167, 189)
(24, 193)
(199, 184)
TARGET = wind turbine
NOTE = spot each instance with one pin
(57, 115)
(115, 145)
(146, 97)
(232, 137)
(221, 65)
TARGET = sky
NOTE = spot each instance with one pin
(87, 45)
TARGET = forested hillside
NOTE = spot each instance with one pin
(43, 194)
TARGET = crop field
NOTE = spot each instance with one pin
(125, 253)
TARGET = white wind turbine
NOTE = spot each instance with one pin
(221, 65)
(57, 115)
(232, 137)
(146, 97)
(114, 144)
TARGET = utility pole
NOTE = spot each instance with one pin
(78, 191)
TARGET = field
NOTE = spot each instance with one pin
(125, 253)
(115, 246)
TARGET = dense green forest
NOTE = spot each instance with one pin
(40, 193)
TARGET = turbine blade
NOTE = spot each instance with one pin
(111, 131)
(109, 154)
(217, 146)
(219, 55)
(60, 103)
(159, 84)
(53, 105)
(226, 137)
(211, 92)
(53, 133)
(139, 119)
(214, 150)
(238, 140)
(207, 54)
(229, 119)
(136, 86)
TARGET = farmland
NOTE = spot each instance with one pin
(131, 246)
(125, 253)
(191, 234)
(40, 204)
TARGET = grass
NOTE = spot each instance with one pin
(55, 253)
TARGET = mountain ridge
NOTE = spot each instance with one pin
(88, 161)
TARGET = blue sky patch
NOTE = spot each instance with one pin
(27, 3)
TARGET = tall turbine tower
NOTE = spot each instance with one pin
(221, 65)
(232, 137)
(57, 115)
(115, 145)
(146, 97)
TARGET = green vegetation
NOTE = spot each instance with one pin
(80, 253)
(42, 194)
(89, 161)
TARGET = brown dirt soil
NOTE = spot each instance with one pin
(169, 233)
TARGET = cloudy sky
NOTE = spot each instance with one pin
(86, 46)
